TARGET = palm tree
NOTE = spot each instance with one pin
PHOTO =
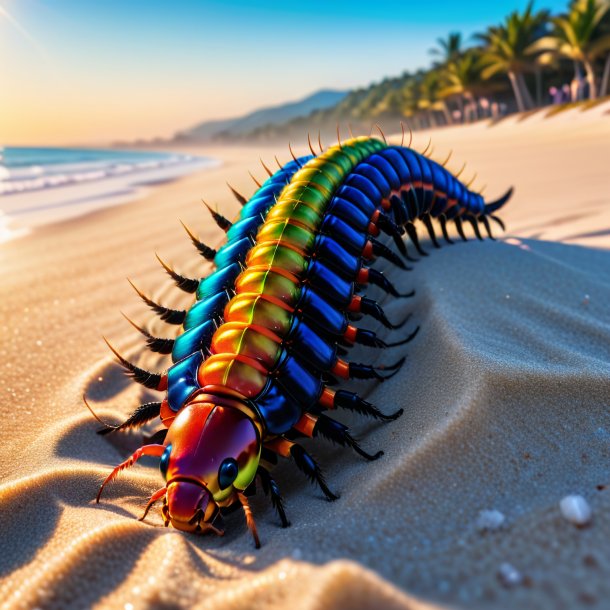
(577, 36)
(448, 49)
(463, 79)
(508, 50)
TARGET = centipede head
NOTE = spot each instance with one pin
(212, 454)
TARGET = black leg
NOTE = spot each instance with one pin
(475, 226)
(459, 227)
(337, 433)
(428, 223)
(412, 233)
(367, 371)
(483, 220)
(308, 466)
(348, 400)
(270, 488)
(443, 221)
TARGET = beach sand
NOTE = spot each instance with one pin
(506, 392)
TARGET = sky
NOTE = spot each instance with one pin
(92, 72)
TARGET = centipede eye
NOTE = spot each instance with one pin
(164, 462)
(227, 473)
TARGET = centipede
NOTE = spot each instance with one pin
(259, 357)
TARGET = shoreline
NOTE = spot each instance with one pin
(78, 194)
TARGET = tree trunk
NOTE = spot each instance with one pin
(446, 113)
(606, 77)
(590, 79)
(516, 90)
(527, 97)
(460, 105)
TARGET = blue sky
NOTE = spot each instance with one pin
(104, 70)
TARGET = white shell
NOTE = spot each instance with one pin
(490, 520)
(576, 510)
(509, 576)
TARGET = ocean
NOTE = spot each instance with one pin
(43, 185)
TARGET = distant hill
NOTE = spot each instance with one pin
(260, 119)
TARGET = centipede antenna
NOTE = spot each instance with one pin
(159, 345)
(320, 142)
(469, 183)
(339, 137)
(293, 155)
(160, 493)
(429, 155)
(349, 129)
(240, 198)
(402, 129)
(255, 180)
(141, 376)
(205, 250)
(265, 167)
(382, 134)
(184, 283)
(171, 316)
(444, 163)
(278, 162)
(423, 153)
(218, 218)
(460, 172)
(313, 152)
(410, 135)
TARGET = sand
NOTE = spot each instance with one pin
(506, 392)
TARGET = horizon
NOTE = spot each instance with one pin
(61, 86)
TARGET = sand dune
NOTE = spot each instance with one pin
(505, 390)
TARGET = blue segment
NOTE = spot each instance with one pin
(348, 212)
(320, 313)
(205, 310)
(193, 340)
(398, 164)
(310, 347)
(232, 251)
(337, 291)
(278, 410)
(182, 381)
(365, 185)
(358, 199)
(351, 240)
(299, 383)
(375, 176)
(244, 227)
(439, 179)
(385, 167)
(218, 281)
(335, 256)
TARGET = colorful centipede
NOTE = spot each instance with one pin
(269, 330)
